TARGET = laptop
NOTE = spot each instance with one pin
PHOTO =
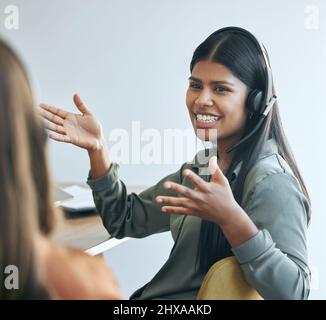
(60, 196)
(74, 198)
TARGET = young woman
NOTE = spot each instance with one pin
(251, 202)
(27, 217)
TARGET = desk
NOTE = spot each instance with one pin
(86, 231)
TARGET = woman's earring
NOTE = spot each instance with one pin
(250, 114)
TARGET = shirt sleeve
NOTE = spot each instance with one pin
(274, 261)
(130, 215)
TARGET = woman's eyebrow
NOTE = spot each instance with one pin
(213, 82)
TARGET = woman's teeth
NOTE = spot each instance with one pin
(206, 118)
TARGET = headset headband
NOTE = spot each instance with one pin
(269, 99)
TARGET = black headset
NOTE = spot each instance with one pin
(258, 103)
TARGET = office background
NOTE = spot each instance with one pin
(129, 60)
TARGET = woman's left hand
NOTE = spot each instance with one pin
(211, 201)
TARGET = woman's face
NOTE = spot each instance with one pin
(216, 103)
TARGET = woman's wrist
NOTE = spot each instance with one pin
(97, 147)
(238, 228)
(99, 160)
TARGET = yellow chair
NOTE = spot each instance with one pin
(225, 281)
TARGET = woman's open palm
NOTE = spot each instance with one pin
(82, 130)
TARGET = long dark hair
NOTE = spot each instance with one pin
(240, 55)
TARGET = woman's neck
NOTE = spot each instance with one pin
(224, 158)
(223, 155)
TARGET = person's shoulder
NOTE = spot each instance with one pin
(268, 165)
(271, 170)
(272, 185)
(72, 274)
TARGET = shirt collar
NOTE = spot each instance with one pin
(200, 161)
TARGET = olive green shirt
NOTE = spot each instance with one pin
(274, 261)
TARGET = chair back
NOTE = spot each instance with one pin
(225, 281)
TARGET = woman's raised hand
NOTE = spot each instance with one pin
(82, 130)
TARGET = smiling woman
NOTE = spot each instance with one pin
(252, 204)
(216, 104)
(236, 55)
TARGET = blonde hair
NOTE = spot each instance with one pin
(25, 192)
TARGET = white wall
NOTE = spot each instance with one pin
(130, 61)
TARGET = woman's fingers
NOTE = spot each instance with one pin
(60, 137)
(180, 189)
(177, 205)
(54, 127)
(81, 105)
(54, 110)
(172, 200)
(51, 117)
(197, 181)
(177, 210)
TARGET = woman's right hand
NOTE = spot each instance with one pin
(82, 130)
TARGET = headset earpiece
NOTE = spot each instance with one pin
(255, 101)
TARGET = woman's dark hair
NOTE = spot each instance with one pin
(240, 55)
